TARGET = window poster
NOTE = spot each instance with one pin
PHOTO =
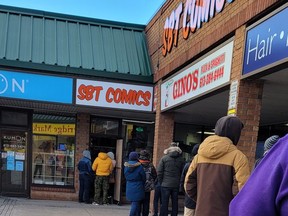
(10, 160)
(19, 156)
(19, 166)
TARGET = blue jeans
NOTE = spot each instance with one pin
(157, 197)
(166, 192)
(135, 208)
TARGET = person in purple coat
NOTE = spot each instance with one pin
(266, 191)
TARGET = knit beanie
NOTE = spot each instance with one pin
(133, 156)
(270, 142)
(111, 155)
(144, 155)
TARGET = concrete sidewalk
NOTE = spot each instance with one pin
(28, 207)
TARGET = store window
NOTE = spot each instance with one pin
(138, 136)
(103, 126)
(53, 151)
(265, 132)
(189, 135)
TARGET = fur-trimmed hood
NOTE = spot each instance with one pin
(132, 165)
(173, 151)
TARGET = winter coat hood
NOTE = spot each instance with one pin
(87, 154)
(215, 146)
(230, 127)
(111, 155)
(173, 151)
(131, 165)
(102, 156)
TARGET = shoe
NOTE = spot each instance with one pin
(95, 203)
(105, 204)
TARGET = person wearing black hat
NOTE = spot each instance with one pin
(210, 177)
(135, 181)
(151, 180)
(267, 146)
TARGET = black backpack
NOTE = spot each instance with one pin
(150, 181)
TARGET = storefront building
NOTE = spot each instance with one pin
(217, 58)
(68, 84)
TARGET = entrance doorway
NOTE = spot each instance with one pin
(104, 144)
(13, 162)
(108, 144)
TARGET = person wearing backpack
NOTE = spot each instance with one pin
(151, 180)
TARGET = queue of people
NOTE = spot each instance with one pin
(207, 180)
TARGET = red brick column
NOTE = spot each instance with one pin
(249, 110)
(82, 141)
(249, 98)
(164, 128)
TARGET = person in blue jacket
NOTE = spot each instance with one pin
(135, 181)
(85, 177)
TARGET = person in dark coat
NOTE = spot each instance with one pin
(151, 180)
(85, 177)
(169, 172)
(135, 182)
(189, 204)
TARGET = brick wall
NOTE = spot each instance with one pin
(164, 128)
(248, 110)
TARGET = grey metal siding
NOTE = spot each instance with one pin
(73, 43)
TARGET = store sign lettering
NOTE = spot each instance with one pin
(114, 95)
(54, 129)
(37, 87)
(266, 43)
(195, 13)
(12, 84)
(18, 139)
(204, 76)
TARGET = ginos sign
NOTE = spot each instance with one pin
(195, 12)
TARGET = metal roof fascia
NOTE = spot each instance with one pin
(74, 71)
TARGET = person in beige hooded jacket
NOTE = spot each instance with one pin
(209, 179)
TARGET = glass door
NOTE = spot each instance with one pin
(13, 165)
